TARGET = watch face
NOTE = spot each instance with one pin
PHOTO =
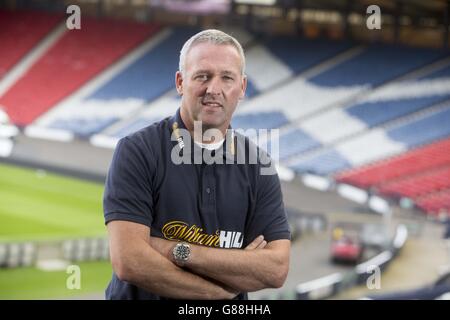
(183, 251)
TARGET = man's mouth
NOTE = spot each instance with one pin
(212, 104)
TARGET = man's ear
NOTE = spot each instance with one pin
(179, 82)
(244, 87)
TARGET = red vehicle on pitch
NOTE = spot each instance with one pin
(346, 245)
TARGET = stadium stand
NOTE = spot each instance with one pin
(302, 54)
(422, 174)
(20, 31)
(85, 249)
(14, 255)
(417, 185)
(80, 55)
(425, 158)
(383, 143)
(377, 64)
(433, 203)
(425, 130)
(362, 116)
(321, 97)
(125, 88)
(144, 76)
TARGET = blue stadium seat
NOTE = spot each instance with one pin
(376, 113)
(251, 89)
(151, 75)
(134, 126)
(263, 120)
(441, 73)
(301, 54)
(295, 142)
(83, 127)
(424, 130)
(322, 164)
(376, 65)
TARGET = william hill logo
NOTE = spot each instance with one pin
(179, 230)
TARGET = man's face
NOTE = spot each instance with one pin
(212, 85)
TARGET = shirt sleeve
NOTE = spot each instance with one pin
(269, 217)
(128, 192)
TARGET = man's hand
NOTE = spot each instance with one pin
(258, 243)
(164, 247)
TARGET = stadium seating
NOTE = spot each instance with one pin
(141, 81)
(161, 108)
(422, 174)
(20, 31)
(322, 164)
(412, 162)
(377, 64)
(302, 54)
(12, 255)
(134, 126)
(341, 82)
(378, 143)
(85, 249)
(148, 77)
(74, 59)
(432, 127)
(263, 120)
(433, 203)
(417, 185)
(376, 113)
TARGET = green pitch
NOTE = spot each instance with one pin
(31, 283)
(35, 205)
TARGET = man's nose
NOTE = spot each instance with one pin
(214, 86)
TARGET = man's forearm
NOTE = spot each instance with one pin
(148, 269)
(244, 270)
(258, 266)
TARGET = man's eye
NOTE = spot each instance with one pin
(202, 77)
(228, 78)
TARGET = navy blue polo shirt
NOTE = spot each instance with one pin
(219, 205)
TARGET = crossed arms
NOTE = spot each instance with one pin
(210, 273)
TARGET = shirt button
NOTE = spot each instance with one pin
(208, 190)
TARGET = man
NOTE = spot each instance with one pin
(195, 230)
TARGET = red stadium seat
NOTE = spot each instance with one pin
(20, 31)
(422, 174)
(418, 160)
(75, 58)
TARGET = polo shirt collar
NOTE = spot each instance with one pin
(176, 123)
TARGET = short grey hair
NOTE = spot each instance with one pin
(212, 36)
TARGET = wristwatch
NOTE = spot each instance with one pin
(181, 253)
